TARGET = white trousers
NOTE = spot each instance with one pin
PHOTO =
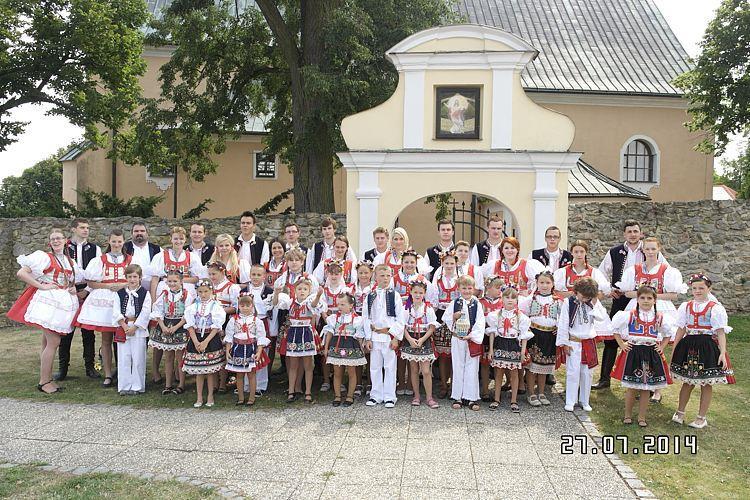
(131, 364)
(465, 378)
(261, 380)
(382, 358)
(577, 378)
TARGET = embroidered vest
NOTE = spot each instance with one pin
(655, 280)
(509, 327)
(458, 306)
(390, 302)
(700, 320)
(181, 266)
(541, 255)
(292, 286)
(446, 295)
(537, 309)
(272, 276)
(114, 273)
(639, 328)
(517, 277)
(331, 297)
(395, 265)
(344, 328)
(243, 325)
(347, 273)
(222, 294)
(256, 248)
(203, 318)
(61, 277)
(571, 276)
(417, 324)
(174, 309)
(125, 297)
(489, 306)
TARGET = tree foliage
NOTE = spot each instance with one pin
(271, 204)
(718, 87)
(82, 57)
(100, 204)
(302, 65)
(198, 210)
(736, 173)
(37, 192)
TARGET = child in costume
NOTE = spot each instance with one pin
(418, 348)
(245, 340)
(130, 312)
(343, 346)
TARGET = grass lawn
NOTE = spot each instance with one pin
(721, 467)
(30, 482)
(19, 375)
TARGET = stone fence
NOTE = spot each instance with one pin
(712, 237)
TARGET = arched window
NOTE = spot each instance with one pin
(639, 162)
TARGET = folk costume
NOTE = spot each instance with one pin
(465, 269)
(383, 310)
(96, 311)
(543, 311)
(239, 276)
(509, 328)
(167, 261)
(392, 259)
(642, 368)
(322, 251)
(447, 292)
(262, 296)
(575, 329)
(170, 308)
(402, 282)
(360, 294)
(300, 338)
(484, 252)
(349, 272)
(245, 334)
(551, 260)
(521, 275)
(253, 251)
(274, 270)
(371, 254)
(204, 316)
(202, 254)
(133, 307)
(565, 278)
(467, 330)
(143, 256)
(433, 255)
(417, 321)
(488, 306)
(695, 358)
(288, 281)
(51, 310)
(227, 294)
(345, 347)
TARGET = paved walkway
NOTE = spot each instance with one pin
(320, 451)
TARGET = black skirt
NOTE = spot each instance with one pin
(507, 353)
(642, 368)
(695, 361)
(542, 351)
(209, 361)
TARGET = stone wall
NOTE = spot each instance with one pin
(22, 236)
(712, 237)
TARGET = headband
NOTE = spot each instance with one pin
(547, 273)
(204, 282)
(410, 251)
(365, 263)
(699, 277)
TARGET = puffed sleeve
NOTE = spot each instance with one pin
(94, 271)
(37, 261)
(330, 326)
(668, 328)
(437, 275)
(492, 321)
(681, 317)
(599, 313)
(719, 319)
(156, 269)
(261, 334)
(379, 259)
(229, 331)
(423, 265)
(197, 269)
(601, 280)
(559, 277)
(157, 309)
(189, 315)
(524, 303)
(217, 316)
(284, 301)
(395, 325)
(320, 308)
(533, 267)
(431, 317)
(319, 272)
(234, 296)
(474, 256)
(432, 293)
(627, 282)
(448, 315)
(673, 281)
(606, 266)
(142, 320)
(190, 296)
(524, 327)
(358, 324)
(479, 278)
(620, 323)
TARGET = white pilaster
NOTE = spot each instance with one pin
(368, 193)
(545, 202)
(414, 114)
(502, 108)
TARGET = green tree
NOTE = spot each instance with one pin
(718, 87)
(304, 64)
(101, 204)
(736, 173)
(37, 192)
(82, 57)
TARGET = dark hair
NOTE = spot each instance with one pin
(328, 222)
(494, 218)
(587, 287)
(290, 224)
(139, 223)
(629, 223)
(279, 241)
(248, 213)
(114, 232)
(348, 296)
(552, 228)
(198, 224)
(77, 222)
(442, 222)
(133, 269)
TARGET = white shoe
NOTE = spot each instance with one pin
(587, 408)
(568, 407)
(209, 405)
(371, 402)
(678, 417)
(543, 400)
(401, 392)
(325, 387)
(390, 404)
(409, 392)
(197, 405)
(534, 400)
(698, 423)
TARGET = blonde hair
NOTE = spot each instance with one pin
(509, 293)
(233, 262)
(466, 280)
(294, 254)
(401, 232)
(652, 239)
(462, 243)
(381, 267)
(178, 230)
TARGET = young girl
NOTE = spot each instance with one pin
(204, 356)
(262, 294)
(665, 279)
(543, 309)
(245, 340)
(169, 334)
(466, 322)
(333, 286)
(642, 334)
(340, 252)
(49, 301)
(576, 334)
(175, 258)
(237, 270)
(509, 332)
(105, 276)
(226, 294)
(465, 268)
(130, 312)
(491, 302)
(343, 346)
(418, 349)
(446, 282)
(567, 275)
(513, 270)
(700, 355)
(276, 266)
(300, 341)
(362, 289)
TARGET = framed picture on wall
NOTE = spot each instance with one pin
(264, 165)
(457, 112)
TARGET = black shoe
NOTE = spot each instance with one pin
(551, 380)
(61, 375)
(92, 373)
(602, 384)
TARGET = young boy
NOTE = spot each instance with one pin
(381, 317)
(576, 333)
(380, 237)
(130, 314)
(465, 386)
(262, 295)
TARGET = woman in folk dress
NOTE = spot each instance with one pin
(49, 301)
(236, 270)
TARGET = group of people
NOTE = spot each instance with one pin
(465, 316)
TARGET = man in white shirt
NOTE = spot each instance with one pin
(323, 249)
(446, 230)
(142, 250)
(199, 249)
(489, 249)
(552, 256)
(249, 247)
(380, 236)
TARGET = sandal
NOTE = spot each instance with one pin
(543, 399)
(250, 402)
(474, 406)
(239, 403)
(432, 404)
(494, 405)
(167, 390)
(308, 399)
(678, 417)
(627, 420)
(416, 402)
(108, 384)
(514, 408)
(336, 402)
(456, 405)
(291, 398)
(642, 423)
(40, 388)
(652, 399)
(178, 390)
(347, 402)
(698, 423)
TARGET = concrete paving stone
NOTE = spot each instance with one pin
(356, 492)
(139, 460)
(586, 483)
(489, 452)
(378, 448)
(439, 475)
(371, 473)
(500, 434)
(23, 451)
(521, 495)
(514, 480)
(308, 491)
(225, 441)
(415, 493)
(379, 429)
(309, 447)
(262, 489)
(220, 465)
(442, 430)
(644, 494)
(443, 414)
(579, 460)
(438, 450)
(188, 439)
(275, 469)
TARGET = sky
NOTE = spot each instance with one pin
(46, 134)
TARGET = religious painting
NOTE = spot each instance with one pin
(457, 112)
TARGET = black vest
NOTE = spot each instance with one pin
(317, 255)
(370, 254)
(256, 248)
(88, 251)
(619, 254)
(390, 302)
(267, 290)
(458, 305)
(153, 249)
(483, 249)
(540, 255)
(433, 255)
(124, 296)
(206, 252)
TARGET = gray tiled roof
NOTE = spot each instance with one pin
(613, 46)
(585, 181)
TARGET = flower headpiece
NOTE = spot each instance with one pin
(410, 251)
(447, 253)
(365, 263)
(205, 282)
(335, 262)
(547, 273)
(699, 277)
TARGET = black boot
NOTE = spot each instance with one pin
(89, 338)
(63, 353)
(550, 379)
(609, 356)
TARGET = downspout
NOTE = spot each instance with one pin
(114, 167)
(174, 194)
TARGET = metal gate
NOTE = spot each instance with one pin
(471, 223)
